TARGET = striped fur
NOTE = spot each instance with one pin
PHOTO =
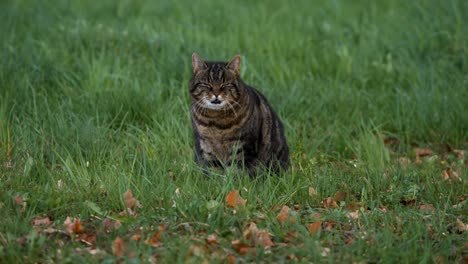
(233, 122)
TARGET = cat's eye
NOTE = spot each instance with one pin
(204, 86)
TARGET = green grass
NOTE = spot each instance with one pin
(94, 101)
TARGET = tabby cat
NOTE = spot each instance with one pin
(233, 122)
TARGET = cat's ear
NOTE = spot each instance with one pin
(234, 64)
(198, 63)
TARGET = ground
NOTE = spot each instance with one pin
(96, 161)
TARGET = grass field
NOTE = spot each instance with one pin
(94, 102)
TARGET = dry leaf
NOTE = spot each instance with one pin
(110, 224)
(241, 248)
(118, 247)
(155, 240)
(195, 250)
(130, 201)
(231, 259)
(352, 215)
(257, 236)
(461, 227)
(421, 153)
(41, 221)
(340, 196)
(449, 174)
(314, 227)
(459, 154)
(329, 203)
(74, 226)
(286, 215)
(234, 200)
(211, 239)
(312, 191)
(20, 201)
(427, 207)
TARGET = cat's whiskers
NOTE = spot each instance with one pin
(232, 108)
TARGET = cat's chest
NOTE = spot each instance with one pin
(220, 144)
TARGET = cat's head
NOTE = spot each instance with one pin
(215, 85)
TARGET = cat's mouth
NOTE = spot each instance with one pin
(215, 104)
(216, 101)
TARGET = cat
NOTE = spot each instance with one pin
(233, 122)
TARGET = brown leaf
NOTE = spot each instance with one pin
(130, 201)
(352, 215)
(329, 225)
(155, 240)
(329, 203)
(20, 201)
(110, 224)
(449, 174)
(427, 207)
(195, 250)
(340, 196)
(118, 247)
(353, 206)
(74, 226)
(211, 239)
(241, 248)
(135, 237)
(461, 227)
(314, 227)
(231, 259)
(87, 239)
(286, 215)
(39, 221)
(420, 152)
(234, 200)
(257, 236)
(459, 154)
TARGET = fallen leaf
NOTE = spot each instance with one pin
(234, 200)
(212, 239)
(39, 221)
(312, 191)
(231, 259)
(314, 227)
(155, 240)
(96, 251)
(325, 252)
(241, 248)
(130, 201)
(449, 174)
(427, 207)
(420, 152)
(286, 215)
(352, 215)
(462, 227)
(87, 239)
(459, 154)
(329, 225)
(110, 224)
(329, 203)
(118, 247)
(257, 236)
(20, 201)
(195, 250)
(74, 226)
(340, 196)
(135, 237)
